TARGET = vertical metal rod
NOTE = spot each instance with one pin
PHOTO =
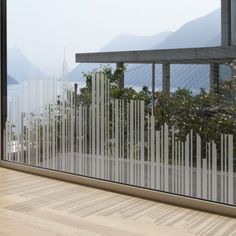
(153, 85)
(75, 117)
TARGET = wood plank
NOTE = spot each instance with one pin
(33, 205)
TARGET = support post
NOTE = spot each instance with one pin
(153, 85)
(226, 23)
(166, 78)
(121, 75)
(233, 22)
(214, 77)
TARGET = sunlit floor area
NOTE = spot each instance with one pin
(33, 205)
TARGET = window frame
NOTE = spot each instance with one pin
(3, 13)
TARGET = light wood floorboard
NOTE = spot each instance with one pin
(33, 205)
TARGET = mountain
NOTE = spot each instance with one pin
(190, 77)
(202, 32)
(11, 80)
(215, 41)
(123, 42)
(196, 33)
(76, 75)
(21, 68)
(127, 42)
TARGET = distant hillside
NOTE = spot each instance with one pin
(21, 68)
(215, 41)
(11, 80)
(196, 33)
(128, 42)
(201, 32)
(190, 77)
(76, 75)
(121, 43)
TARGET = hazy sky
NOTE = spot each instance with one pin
(43, 28)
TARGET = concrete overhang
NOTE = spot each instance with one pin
(207, 55)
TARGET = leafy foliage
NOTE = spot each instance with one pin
(85, 96)
(209, 113)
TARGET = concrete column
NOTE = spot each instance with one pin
(121, 79)
(166, 78)
(214, 77)
(226, 23)
(233, 22)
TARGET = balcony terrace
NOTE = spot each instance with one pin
(128, 172)
(34, 205)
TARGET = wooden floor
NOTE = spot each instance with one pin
(32, 205)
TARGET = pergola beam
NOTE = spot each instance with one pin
(218, 55)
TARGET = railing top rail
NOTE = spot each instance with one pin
(205, 55)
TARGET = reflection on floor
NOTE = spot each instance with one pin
(33, 205)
